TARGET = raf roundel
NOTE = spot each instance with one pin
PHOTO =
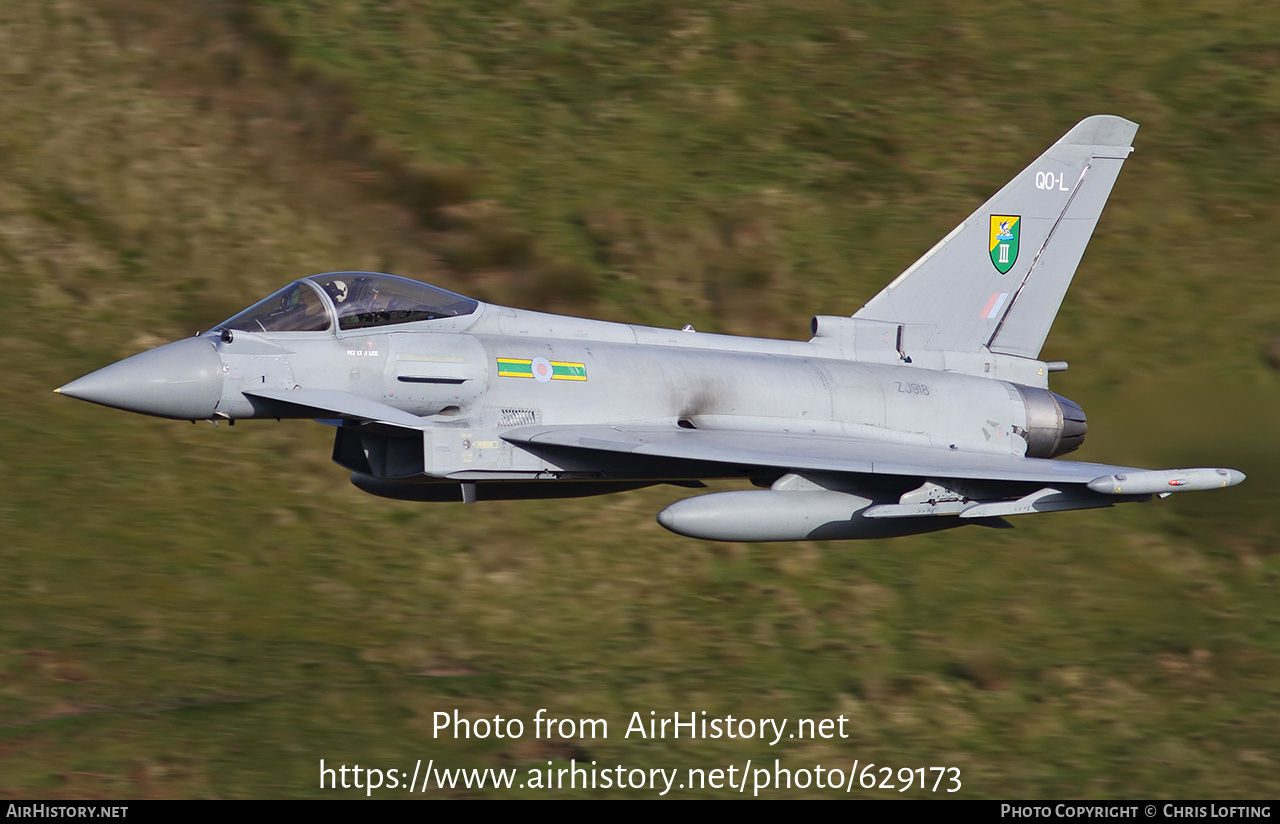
(542, 371)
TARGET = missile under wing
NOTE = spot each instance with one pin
(928, 409)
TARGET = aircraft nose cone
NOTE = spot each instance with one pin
(180, 380)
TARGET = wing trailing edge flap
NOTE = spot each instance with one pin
(814, 453)
(327, 403)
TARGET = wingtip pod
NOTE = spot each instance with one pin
(1163, 481)
(1102, 130)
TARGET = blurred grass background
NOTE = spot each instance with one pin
(191, 611)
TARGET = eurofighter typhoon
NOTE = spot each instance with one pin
(928, 409)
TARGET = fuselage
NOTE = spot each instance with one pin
(458, 375)
(474, 377)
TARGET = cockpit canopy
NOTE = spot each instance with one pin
(356, 300)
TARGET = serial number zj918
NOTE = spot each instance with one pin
(913, 388)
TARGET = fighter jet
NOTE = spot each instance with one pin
(928, 409)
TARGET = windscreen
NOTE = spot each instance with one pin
(295, 308)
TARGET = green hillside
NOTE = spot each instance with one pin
(197, 611)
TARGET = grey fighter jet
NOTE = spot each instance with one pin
(929, 408)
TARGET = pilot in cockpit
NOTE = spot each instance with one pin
(357, 302)
(337, 290)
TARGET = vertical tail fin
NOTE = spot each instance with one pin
(997, 280)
